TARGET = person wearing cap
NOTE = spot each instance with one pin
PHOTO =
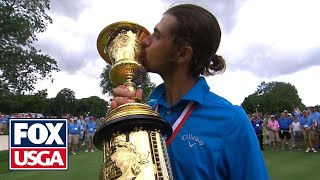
(315, 115)
(74, 131)
(257, 125)
(284, 135)
(307, 125)
(273, 126)
(91, 127)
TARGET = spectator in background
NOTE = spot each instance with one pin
(284, 135)
(273, 127)
(297, 113)
(3, 123)
(257, 124)
(296, 133)
(74, 131)
(70, 121)
(101, 121)
(14, 115)
(291, 120)
(265, 122)
(308, 125)
(91, 127)
(83, 128)
(315, 116)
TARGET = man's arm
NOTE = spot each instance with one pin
(242, 157)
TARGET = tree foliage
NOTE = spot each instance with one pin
(65, 100)
(23, 103)
(273, 97)
(94, 105)
(21, 64)
(64, 103)
(144, 83)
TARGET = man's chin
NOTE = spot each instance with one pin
(143, 62)
(146, 67)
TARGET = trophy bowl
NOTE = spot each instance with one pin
(119, 44)
(133, 135)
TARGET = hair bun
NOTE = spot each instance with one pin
(217, 65)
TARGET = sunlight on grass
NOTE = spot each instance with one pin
(291, 165)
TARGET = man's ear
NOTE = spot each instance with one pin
(184, 54)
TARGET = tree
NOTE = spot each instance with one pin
(95, 105)
(21, 64)
(105, 82)
(23, 103)
(144, 83)
(42, 94)
(65, 101)
(273, 97)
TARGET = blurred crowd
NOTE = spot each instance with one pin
(288, 130)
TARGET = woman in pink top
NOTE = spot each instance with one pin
(273, 127)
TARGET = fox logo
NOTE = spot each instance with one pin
(38, 144)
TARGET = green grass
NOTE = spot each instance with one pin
(81, 166)
(4, 158)
(291, 165)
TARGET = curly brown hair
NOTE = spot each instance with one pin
(199, 29)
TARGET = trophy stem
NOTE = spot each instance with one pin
(130, 85)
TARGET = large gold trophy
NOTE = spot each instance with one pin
(132, 137)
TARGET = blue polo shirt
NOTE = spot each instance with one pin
(284, 123)
(315, 116)
(217, 141)
(74, 128)
(306, 121)
(91, 126)
(4, 120)
(257, 125)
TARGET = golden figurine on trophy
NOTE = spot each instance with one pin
(132, 137)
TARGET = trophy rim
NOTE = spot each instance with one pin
(126, 124)
(104, 36)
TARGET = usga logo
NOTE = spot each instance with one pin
(38, 144)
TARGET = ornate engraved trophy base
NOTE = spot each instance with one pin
(133, 144)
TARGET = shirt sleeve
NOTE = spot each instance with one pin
(242, 157)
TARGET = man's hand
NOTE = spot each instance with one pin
(122, 95)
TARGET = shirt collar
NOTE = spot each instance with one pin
(196, 93)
